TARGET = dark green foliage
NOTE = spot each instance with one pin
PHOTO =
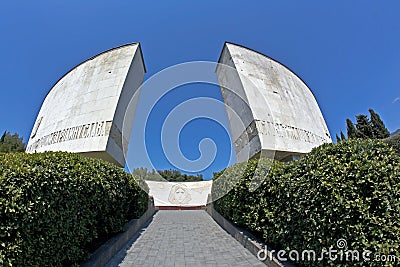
(394, 141)
(177, 176)
(342, 136)
(346, 190)
(351, 130)
(168, 175)
(240, 205)
(57, 207)
(144, 174)
(338, 138)
(364, 128)
(378, 127)
(11, 143)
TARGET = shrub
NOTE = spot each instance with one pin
(241, 205)
(54, 207)
(394, 141)
(347, 190)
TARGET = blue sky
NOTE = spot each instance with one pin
(348, 52)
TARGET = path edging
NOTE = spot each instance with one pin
(246, 239)
(104, 253)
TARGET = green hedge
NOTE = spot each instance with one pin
(349, 190)
(55, 208)
(394, 141)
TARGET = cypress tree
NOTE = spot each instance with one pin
(364, 128)
(3, 137)
(378, 127)
(351, 130)
(11, 143)
(338, 138)
(342, 136)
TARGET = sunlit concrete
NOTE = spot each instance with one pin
(87, 111)
(281, 116)
(185, 194)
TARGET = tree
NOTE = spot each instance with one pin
(162, 175)
(378, 127)
(338, 138)
(177, 176)
(394, 141)
(364, 128)
(3, 137)
(342, 136)
(11, 143)
(351, 130)
(145, 174)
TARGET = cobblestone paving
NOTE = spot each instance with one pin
(183, 238)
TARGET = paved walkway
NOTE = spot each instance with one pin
(183, 238)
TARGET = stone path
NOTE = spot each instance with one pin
(183, 238)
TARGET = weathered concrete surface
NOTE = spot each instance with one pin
(184, 238)
(184, 194)
(278, 110)
(87, 111)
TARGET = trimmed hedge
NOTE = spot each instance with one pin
(348, 190)
(394, 141)
(55, 208)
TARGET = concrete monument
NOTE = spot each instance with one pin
(87, 110)
(279, 112)
(182, 194)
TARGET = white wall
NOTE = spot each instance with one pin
(282, 114)
(85, 109)
(185, 194)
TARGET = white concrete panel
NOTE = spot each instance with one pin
(85, 110)
(282, 113)
(185, 194)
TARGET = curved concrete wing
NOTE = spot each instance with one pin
(280, 112)
(84, 112)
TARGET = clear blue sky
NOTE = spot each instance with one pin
(348, 52)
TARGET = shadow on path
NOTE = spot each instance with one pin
(183, 238)
(119, 257)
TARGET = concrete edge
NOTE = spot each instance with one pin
(104, 253)
(246, 239)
